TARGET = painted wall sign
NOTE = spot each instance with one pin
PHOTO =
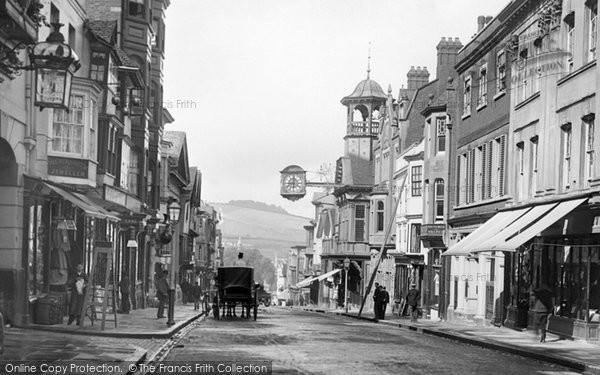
(67, 167)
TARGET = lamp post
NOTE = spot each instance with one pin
(346, 268)
(173, 210)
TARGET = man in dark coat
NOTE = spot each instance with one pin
(413, 298)
(124, 286)
(196, 295)
(376, 300)
(544, 306)
(162, 293)
(384, 298)
(78, 286)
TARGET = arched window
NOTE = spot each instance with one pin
(380, 216)
(439, 199)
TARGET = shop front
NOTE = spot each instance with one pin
(565, 258)
(61, 230)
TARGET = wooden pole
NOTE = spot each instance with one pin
(383, 250)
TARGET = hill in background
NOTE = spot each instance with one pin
(268, 228)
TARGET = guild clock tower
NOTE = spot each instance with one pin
(363, 126)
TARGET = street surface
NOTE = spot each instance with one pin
(300, 342)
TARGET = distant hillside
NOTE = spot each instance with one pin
(267, 228)
(258, 206)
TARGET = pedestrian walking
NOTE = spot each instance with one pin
(78, 286)
(196, 295)
(413, 298)
(162, 293)
(376, 300)
(384, 300)
(544, 305)
(124, 286)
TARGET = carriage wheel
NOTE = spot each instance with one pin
(267, 302)
(255, 311)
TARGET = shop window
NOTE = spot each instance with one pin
(36, 235)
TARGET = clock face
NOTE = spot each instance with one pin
(293, 184)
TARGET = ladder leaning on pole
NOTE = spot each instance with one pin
(101, 292)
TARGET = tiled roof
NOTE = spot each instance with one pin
(103, 30)
(177, 140)
(125, 60)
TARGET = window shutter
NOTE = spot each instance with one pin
(490, 163)
(359, 222)
(501, 165)
(472, 177)
(458, 180)
(484, 179)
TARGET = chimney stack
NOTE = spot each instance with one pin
(480, 23)
(447, 51)
(417, 78)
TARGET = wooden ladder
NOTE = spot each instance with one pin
(101, 298)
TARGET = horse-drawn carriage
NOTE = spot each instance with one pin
(235, 287)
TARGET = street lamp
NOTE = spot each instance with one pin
(346, 268)
(54, 62)
(173, 210)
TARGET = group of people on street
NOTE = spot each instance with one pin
(381, 298)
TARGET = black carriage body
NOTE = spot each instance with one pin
(236, 286)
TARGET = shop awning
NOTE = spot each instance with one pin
(330, 273)
(306, 282)
(552, 217)
(485, 231)
(527, 219)
(90, 209)
(107, 213)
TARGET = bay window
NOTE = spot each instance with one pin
(68, 127)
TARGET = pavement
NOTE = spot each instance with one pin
(137, 324)
(574, 354)
(138, 336)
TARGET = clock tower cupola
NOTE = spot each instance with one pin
(362, 125)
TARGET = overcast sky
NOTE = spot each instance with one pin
(257, 84)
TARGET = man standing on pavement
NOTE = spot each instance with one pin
(412, 300)
(384, 296)
(124, 286)
(376, 300)
(196, 295)
(162, 293)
